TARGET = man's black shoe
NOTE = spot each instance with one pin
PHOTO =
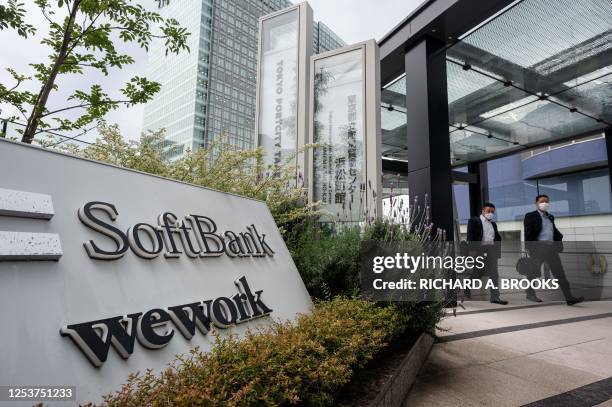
(534, 298)
(575, 300)
(500, 302)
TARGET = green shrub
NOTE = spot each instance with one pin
(386, 231)
(303, 362)
(220, 166)
(328, 259)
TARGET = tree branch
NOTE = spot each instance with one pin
(44, 12)
(74, 137)
(85, 105)
(13, 88)
(76, 40)
(19, 109)
(41, 100)
(120, 28)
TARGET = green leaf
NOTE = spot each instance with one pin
(84, 41)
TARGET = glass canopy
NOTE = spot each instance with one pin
(537, 72)
(393, 120)
(394, 137)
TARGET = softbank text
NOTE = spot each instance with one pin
(197, 234)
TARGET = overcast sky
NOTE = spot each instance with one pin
(352, 20)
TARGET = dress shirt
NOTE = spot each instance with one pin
(546, 234)
(488, 233)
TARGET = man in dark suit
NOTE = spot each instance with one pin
(484, 240)
(543, 241)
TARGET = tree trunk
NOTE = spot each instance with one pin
(41, 100)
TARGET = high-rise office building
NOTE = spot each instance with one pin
(210, 92)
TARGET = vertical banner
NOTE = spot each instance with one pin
(345, 165)
(285, 47)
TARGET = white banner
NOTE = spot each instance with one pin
(338, 171)
(278, 84)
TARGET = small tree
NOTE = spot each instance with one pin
(82, 35)
(233, 170)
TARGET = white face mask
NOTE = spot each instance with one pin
(543, 206)
(488, 216)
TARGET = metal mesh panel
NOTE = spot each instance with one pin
(537, 72)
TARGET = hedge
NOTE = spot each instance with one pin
(302, 362)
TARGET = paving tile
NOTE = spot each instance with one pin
(555, 375)
(585, 330)
(426, 393)
(468, 352)
(490, 320)
(551, 337)
(519, 367)
(485, 386)
(577, 357)
(584, 396)
(603, 346)
(529, 341)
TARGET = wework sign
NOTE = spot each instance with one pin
(106, 272)
(122, 331)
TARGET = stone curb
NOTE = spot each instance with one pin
(397, 387)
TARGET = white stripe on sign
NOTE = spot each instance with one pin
(29, 246)
(25, 204)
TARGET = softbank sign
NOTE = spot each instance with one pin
(198, 236)
(106, 272)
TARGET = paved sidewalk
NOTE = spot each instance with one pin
(548, 354)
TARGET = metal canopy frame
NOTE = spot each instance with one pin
(446, 23)
(444, 20)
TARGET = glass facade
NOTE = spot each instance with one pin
(584, 193)
(208, 95)
(393, 120)
(338, 170)
(512, 186)
(393, 139)
(180, 106)
(324, 39)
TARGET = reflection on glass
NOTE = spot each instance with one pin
(553, 50)
(393, 119)
(584, 193)
(462, 200)
(539, 121)
(278, 88)
(338, 171)
(512, 195)
(536, 33)
(592, 97)
(395, 198)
